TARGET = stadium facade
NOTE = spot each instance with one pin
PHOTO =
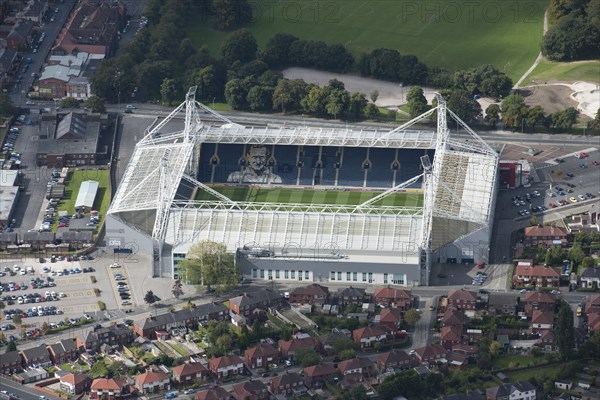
(173, 195)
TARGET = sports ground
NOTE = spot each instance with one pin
(455, 34)
(301, 196)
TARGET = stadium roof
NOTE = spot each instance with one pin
(87, 194)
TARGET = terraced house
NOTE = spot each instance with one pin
(116, 335)
(248, 302)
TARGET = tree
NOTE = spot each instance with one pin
(341, 344)
(12, 346)
(357, 392)
(565, 339)
(168, 90)
(371, 111)
(69, 102)
(514, 111)
(374, 95)
(495, 348)
(461, 102)
(259, 98)
(492, 114)
(535, 116)
(277, 48)
(565, 119)
(223, 343)
(358, 103)
(95, 104)
(239, 45)
(177, 289)
(289, 94)
(17, 319)
(347, 354)
(576, 253)
(595, 123)
(236, 94)
(307, 357)
(6, 105)
(412, 316)
(231, 13)
(208, 263)
(337, 102)
(588, 262)
(99, 369)
(417, 103)
(150, 297)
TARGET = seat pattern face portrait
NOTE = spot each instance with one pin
(256, 170)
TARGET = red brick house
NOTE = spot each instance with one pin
(21, 34)
(462, 300)
(313, 294)
(288, 348)
(390, 318)
(394, 359)
(74, 383)
(261, 355)
(593, 304)
(593, 322)
(548, 235)
(394, 298)
(536, 276)
(352, 370)
(547, 340)
(63, 351)
(10, 362)
(109, 389)
(450, 335)
(541, 320)
(36, 356)
(189, 373)
(369, 335)
(286, 383)
(352, 295)
(453, 317)
(116, 335)
(214, 393)
(538, 301)
(246, 303)
(152, 382)
(250, 390)
(317, 375)
(222, 367)
(431, 354)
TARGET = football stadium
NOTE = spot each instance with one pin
(305, 203)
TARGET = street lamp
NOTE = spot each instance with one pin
(402, 92)
(214, 102)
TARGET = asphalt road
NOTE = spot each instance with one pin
(23, 391)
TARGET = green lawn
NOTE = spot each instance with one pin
(299, 196)
(538, 373)
(450, 34)
(505, 361)
(565, 72)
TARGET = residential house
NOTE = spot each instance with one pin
(152, 382)
(289, 348)
(512, 391)
(541, 320)
(313, 294)
(394, 359)
(563, 384)
(186, 318)
(287, 383)
(116, 335)
(248, 302)
(21, 35)
(393, 297)
(464, 349)
(261, 355)
(456, 360)
(369, 335)
(462, 299)
(250, 390)
(36, 357)
(10, 362)
(74, 383)
(225, 366)
(352, 295)
(536, 276)
(189, 373)
(593, 322)
(547, 340)
(109, 389)
(590, 278)
(430, 354)
(63, 351)
(318, 375)
(453, 317)
(593, 304)
(351, 370)
(548, 235)
(473, 335)
(502, 304)
(214, 393)
(541, 301)
(391, 318)
(450, 335)
(474, 395)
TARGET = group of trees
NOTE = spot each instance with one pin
(574, 32)
(515, 114)
(409, 383)
(208, 263)
(390, 65)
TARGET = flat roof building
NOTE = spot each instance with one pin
(87, 195)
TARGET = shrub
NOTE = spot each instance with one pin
(97, 292)
(93, 278)
(101, 305)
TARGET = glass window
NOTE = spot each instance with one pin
(270, 274)
(355, 276)
(385, 278)
(370, 277)
(262, 273)
(347, 276)
(339, 276)
(287, 274)
(254, 272)
(332, 275)
(364, 276)
(276, 274)
(306, 275)
(293, 274)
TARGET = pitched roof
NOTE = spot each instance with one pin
(392, 293)
(537, 270)
(453, 317)
(150, 377)
(285, 379)
(462, 295)
(108, 384)
(544, 231)
(508, 388)
(542, 317)
(297, 344)
(311, 290)
(346, 365)
(431, 350)
(262, 349)
(189, 369)
(225, 361)
(64, 346)
(251, 299)
(74, 379)
(591, 273)
(10, 358)
(393, 315)
(36, 352)
(393, 356)
(320, 370)
(500, 299)
(215, 393)
(369, 331)
(547, 336)
(351, 292)
(539, 297)
(198, 312)
(452, 333)
(248, 388)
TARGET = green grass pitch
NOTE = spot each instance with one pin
(451, 34)
(300, 196)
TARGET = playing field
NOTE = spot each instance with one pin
(299, 196)
(452, 34)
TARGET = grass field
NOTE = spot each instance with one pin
(588, 71)
(299, 196)
(450, 34)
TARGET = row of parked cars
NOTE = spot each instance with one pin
(35, 311)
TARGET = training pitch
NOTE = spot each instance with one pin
(451, 34)
(301, 196)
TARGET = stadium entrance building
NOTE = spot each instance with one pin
(347, 204)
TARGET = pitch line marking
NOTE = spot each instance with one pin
(352, 13)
